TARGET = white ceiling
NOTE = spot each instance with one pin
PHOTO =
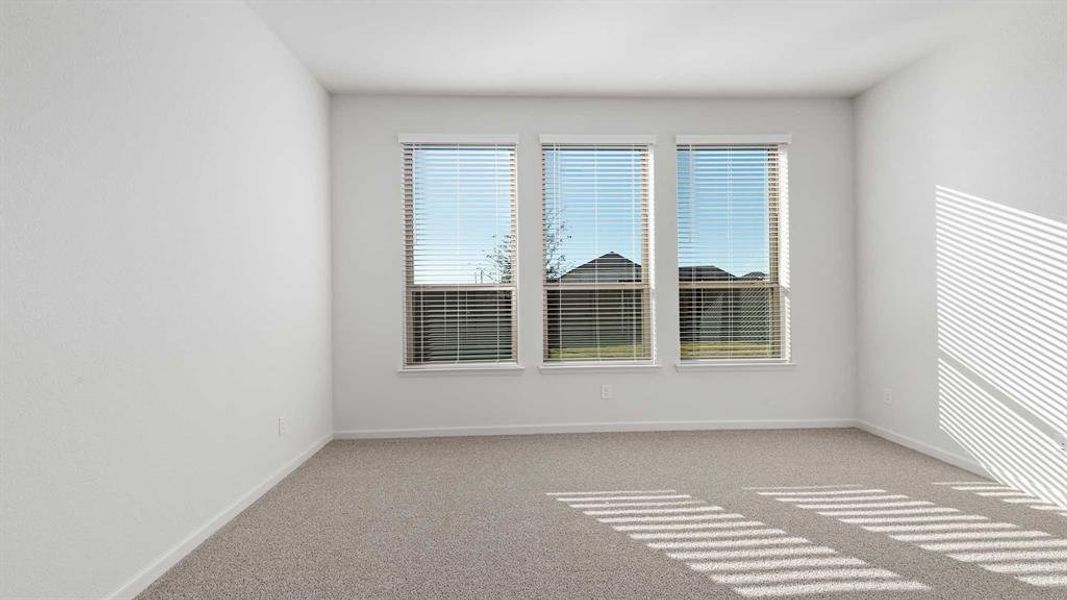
(618, 48)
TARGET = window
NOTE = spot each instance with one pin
(459, 253)
(597, 250)
(732, 254)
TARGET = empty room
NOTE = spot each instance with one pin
(533, 299)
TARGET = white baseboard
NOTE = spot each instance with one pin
(168, 559)
(480, 430)
(477, 430)
(951, 458)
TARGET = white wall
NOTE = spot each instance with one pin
(986, 117)
(370, 397)
(165, 281)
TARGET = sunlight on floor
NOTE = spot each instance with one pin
(995, 546)
(755, 559)
(1004, 493)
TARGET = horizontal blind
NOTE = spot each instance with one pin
(597, 304)
(460, 252)
(730, 254)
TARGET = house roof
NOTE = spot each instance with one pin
(703, 273)
(607, 268)
(614, 267)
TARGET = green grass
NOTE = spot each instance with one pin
(697, 350)
(586, 352)
(690, 350)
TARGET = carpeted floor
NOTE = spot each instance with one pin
(837, 514)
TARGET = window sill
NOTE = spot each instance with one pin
(501, 369)
(720, 365)
(578, 367)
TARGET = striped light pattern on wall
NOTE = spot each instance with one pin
(755, 559)
(1002, 338)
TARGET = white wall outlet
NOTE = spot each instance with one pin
(887, 397)
(1061, 442)
(283, 427)
(607, 391)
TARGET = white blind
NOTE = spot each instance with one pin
(597, 304)
(731, 251)
(459, 253)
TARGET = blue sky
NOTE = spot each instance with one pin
(596, 194)
(722, 209)
(462, 212)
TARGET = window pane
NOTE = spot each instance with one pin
(596, 247)
(462, 214)
(595, 208)
(723, 213)
(734, 323)
(730, 297)
(587, 324)
(460, 249)
(461, 326)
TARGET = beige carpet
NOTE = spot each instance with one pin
(726, 514)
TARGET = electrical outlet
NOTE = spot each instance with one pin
(1061, 442)
(887, 397)
(283, 427)
(607, 392)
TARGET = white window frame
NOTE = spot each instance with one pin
(641, 365)
(505, 367)
(784, 325)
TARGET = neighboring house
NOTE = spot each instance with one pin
(616, 268)
(703, 273)
(606, 317)
(477, 325)
(609, 268)
(741, 314)
(708, 315)
(460, 325)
